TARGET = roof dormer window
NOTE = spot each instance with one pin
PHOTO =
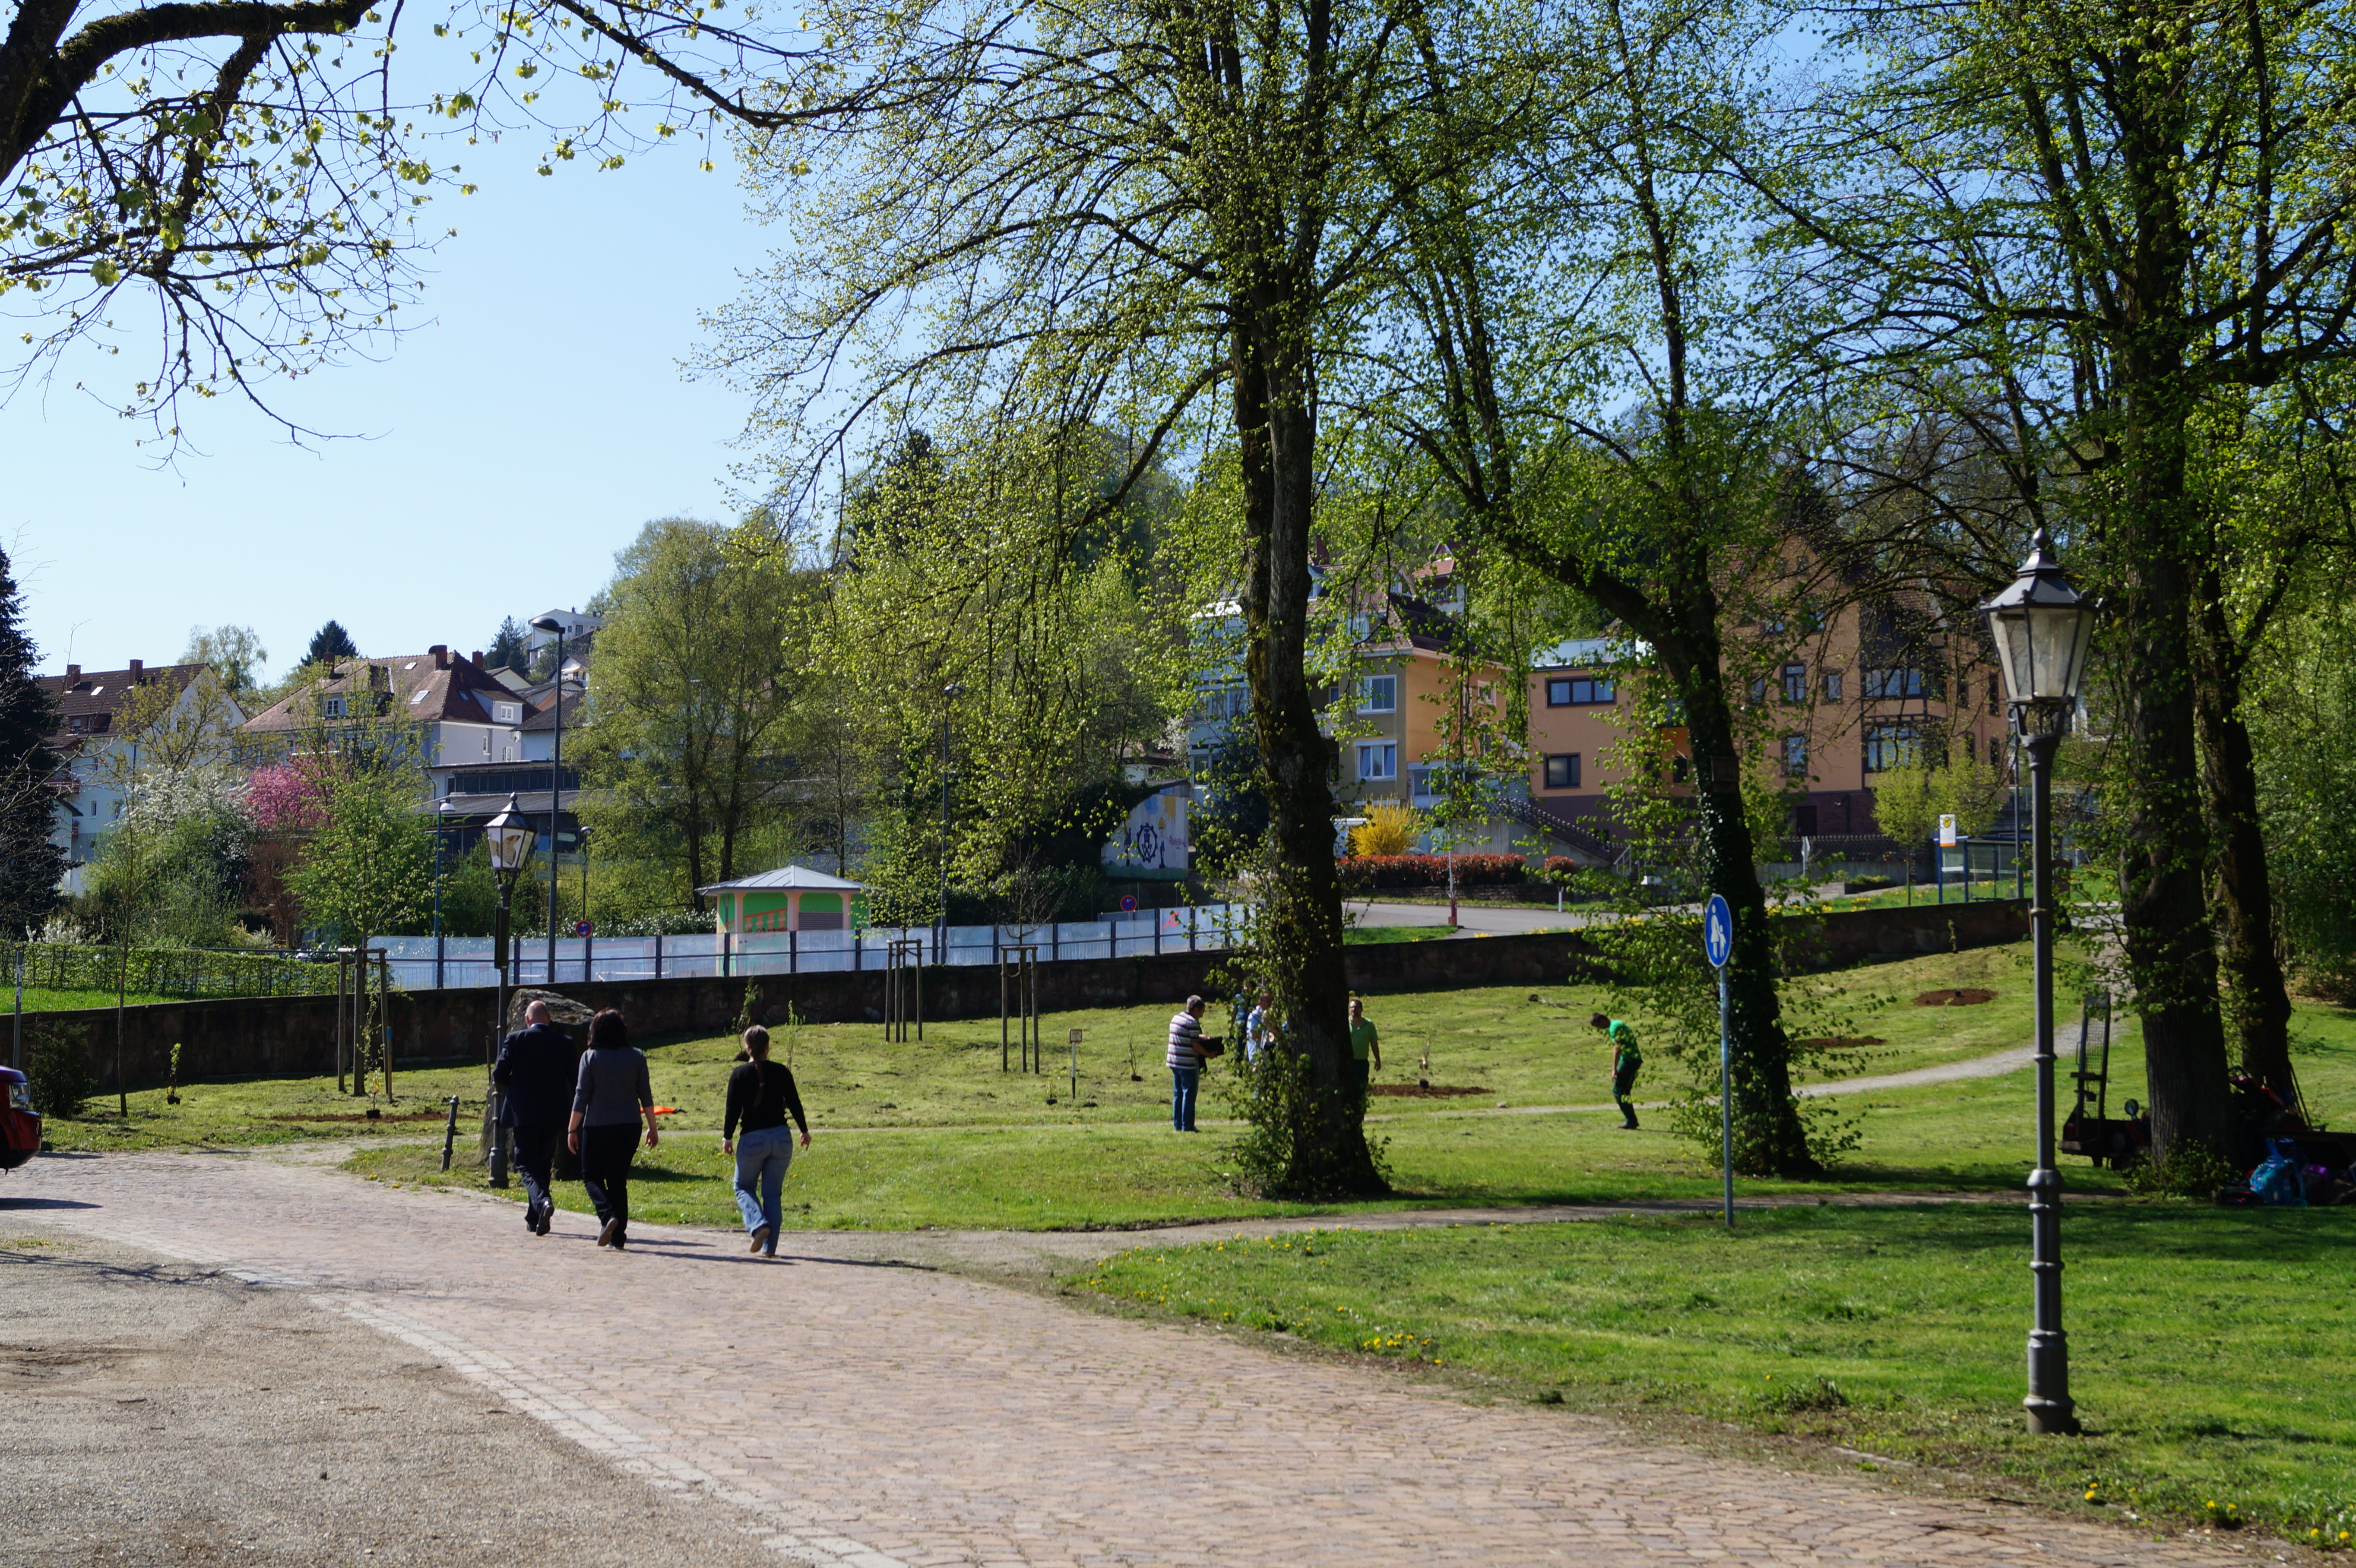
(333, 707)
(507, 713)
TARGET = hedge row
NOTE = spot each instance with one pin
(1431, 870)
(164, 971)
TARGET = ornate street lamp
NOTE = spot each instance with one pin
(510, 838)
(2042, 628)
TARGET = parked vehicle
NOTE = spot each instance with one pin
(20, 1125)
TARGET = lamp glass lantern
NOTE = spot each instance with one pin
(511, 838)
(2042, 628)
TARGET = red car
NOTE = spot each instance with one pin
(20, 1125)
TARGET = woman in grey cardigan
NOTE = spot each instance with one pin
(611, 1093)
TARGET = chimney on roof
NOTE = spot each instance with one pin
(73, 673)
(136, 666)
(478, 658)
(441, 651)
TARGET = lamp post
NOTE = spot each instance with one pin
(949, 694)
(441, 845)
(510, 838)
(555, 628)
(2043, 627)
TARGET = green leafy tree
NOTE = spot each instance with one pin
(2302, 710)
(250, 174)
(1132, 218)
(234, 654)
(367, 868)
(2109, 226)
(685, 742)
(1906, 807)
(1575, 365)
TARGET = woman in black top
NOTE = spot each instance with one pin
(761, 1094)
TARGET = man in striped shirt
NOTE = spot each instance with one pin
(1185, 1061)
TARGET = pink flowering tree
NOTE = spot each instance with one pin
(285, 796)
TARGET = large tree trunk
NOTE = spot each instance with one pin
(2171, 947)
(2257, 1002)
(1301, 940)
(1769, 1139)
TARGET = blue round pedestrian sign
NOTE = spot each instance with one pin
(1718, 931)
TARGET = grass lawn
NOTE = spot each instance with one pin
(42, 999)
(2209, 1346)
(934, 1134)
(1359, 936)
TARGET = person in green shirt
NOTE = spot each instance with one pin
(1625, 1060)
(1365, 1045)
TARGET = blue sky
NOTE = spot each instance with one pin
(507, 448)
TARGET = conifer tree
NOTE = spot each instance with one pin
(31, 864)
(331, 643)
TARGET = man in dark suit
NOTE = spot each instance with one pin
(534, 1073)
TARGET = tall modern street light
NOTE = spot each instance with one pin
(510, 837)
(2042, 628)
(555, 628)
(949, 695)
(441, 843)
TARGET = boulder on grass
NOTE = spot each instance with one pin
(569, 1014)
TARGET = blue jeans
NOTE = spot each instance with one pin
(761, 1160)
(1182, 1084)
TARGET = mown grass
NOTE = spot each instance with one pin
(2209, 1346)
(45, 999)
(1361, 936)
(1528, 1052)
(934, 1134)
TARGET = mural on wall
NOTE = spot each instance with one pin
(1152, 843)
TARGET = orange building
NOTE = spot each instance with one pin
(1826, 702)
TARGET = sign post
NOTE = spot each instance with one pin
(1718, 944)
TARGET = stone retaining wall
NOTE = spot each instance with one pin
(291, 1036)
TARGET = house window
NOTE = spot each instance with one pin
(1378, 761)
(1996, 696)
(333, 707)
(1758, 691)
(1891, 746)
(1562, 771)
(1378, 694)
(1795, 756)
(1891, 685)
(1578, 691)
(1832, 685)
(1795, 683)
(507, 713)
(1995, 750)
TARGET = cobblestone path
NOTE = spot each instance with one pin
(863, 1412)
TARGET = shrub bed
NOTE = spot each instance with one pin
(1431, 870)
